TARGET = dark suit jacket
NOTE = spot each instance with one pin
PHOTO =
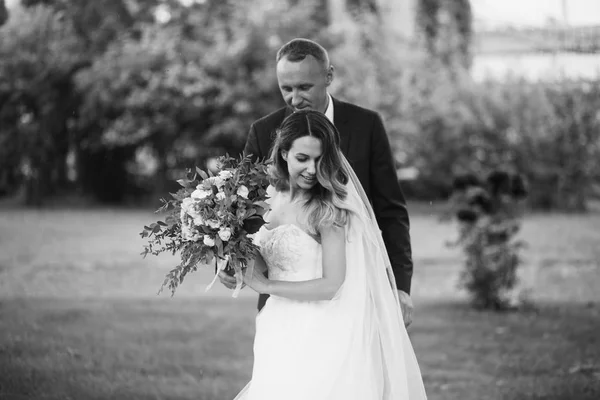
(365, 144)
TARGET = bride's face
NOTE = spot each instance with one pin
(302, 161)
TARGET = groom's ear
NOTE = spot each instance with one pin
(329, 78)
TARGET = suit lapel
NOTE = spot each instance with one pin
(341, 121)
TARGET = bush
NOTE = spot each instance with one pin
(489, 218)
(549, 132)
(39, 55)
(181, 93)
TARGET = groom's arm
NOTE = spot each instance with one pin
(389, 206)
(252, 146)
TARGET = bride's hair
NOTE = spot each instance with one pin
(325, 205)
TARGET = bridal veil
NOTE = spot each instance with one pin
(353, 347)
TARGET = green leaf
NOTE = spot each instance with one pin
(184, 182)
(210, 255)
(262, 204)
(202, 174)
(219, 245)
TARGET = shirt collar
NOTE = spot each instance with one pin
(329, 110)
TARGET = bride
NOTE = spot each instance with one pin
(332, 327)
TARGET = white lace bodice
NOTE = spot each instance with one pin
(291, 254)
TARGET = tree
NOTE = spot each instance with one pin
(398, 18)
(97, 23)
(182, 91)
(144, 93)
(3, 12)
(39, 55)
(93, 26)
(446, 28)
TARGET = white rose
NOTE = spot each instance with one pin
(209, 241)
(221, 196)
(225, 174)
(198, 220)
(187, 204)
(243, 191)
(213, 223)
(200, 194)
(186, 212)
(188, 234)
(193, 212)
(194, 216)
(185, 231)
(225, 234)
(218, 182)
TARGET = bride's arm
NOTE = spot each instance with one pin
(258, 264)
(333, 242)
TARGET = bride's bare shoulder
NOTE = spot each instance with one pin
(271, 191)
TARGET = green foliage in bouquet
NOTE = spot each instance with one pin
(489, 217)
(211, 219)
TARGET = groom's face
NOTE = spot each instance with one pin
(304, 83)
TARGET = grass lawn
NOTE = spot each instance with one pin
(80, 318)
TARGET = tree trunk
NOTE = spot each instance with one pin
(60, 165)
(3, 12)
(160, 185)
(445, 29)
(36, 188)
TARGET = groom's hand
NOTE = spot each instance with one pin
(407, 307)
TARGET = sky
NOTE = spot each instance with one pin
(535, 12)
(521, 12)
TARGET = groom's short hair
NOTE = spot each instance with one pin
(298, 49)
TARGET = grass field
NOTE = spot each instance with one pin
(80, 318)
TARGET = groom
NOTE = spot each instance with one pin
(304, 74)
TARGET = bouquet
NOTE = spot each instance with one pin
(211, 220)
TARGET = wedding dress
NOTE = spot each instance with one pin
(354, 346)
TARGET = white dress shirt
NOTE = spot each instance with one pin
(329, 110)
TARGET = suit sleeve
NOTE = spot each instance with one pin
(389, 206)
(252, 146)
